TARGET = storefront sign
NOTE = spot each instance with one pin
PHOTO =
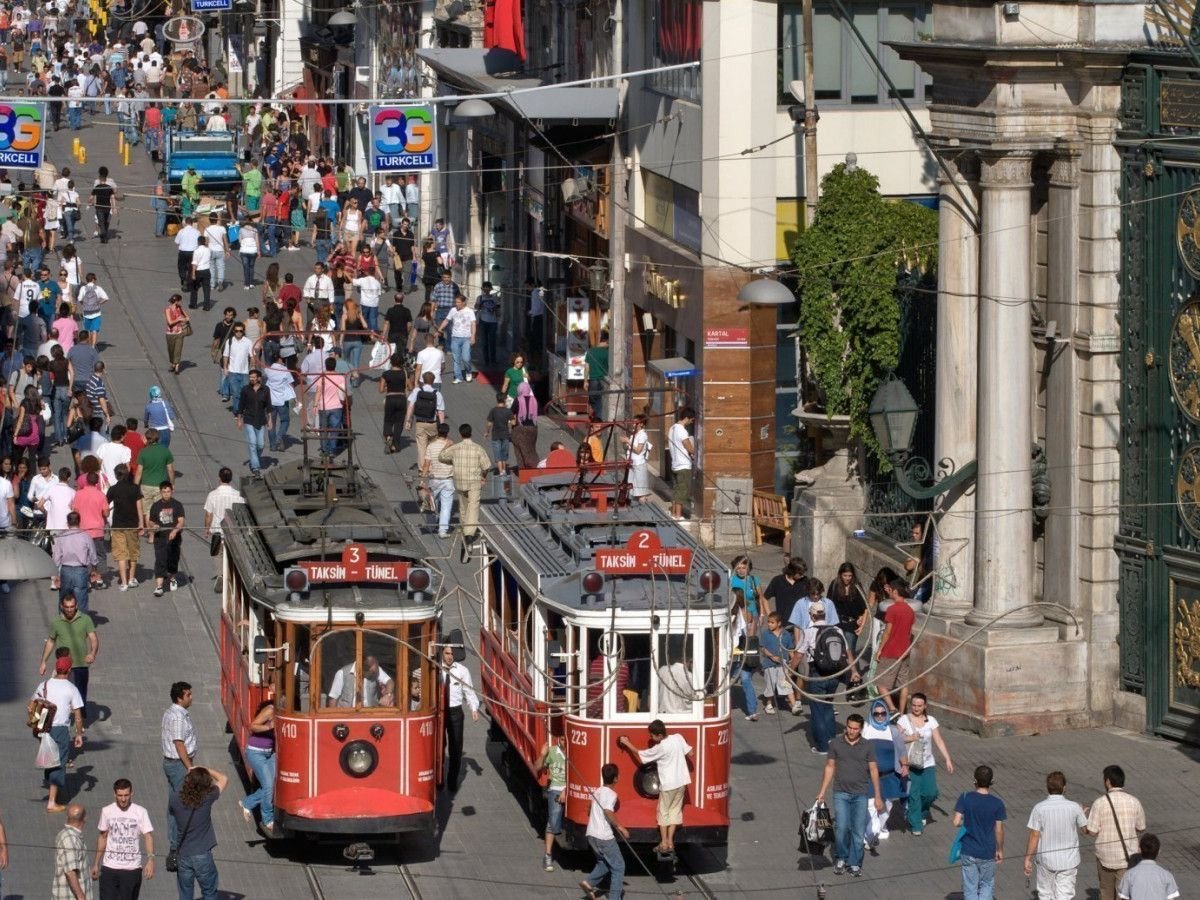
(22, 135)
(715, 338)
(403, 138)
(660, 287)
(204, 6)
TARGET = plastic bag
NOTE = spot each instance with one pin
(381, 353)
(816, 829)
(47, 755)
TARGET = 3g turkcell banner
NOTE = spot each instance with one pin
(403, 138)
(22, 135)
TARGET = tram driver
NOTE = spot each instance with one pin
(375, 689)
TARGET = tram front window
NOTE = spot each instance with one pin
(675, 669)
(357, 673)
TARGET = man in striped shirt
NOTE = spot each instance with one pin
(471, 465)
(1054, 828)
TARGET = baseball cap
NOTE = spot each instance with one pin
(62, 665)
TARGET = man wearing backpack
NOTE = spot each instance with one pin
(823, 646)
(426, 408)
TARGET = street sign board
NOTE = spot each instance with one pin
(354, 566)
(22, 135)
(206, 6)
(403, 138)
(644, 554)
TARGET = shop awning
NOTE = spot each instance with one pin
(674, 367)
(569, 104)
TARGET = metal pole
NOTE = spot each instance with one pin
(811, 181)
(619, 318)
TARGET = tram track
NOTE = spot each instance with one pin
(317, 890)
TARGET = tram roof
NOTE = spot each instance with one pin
(282, 523)
(536, 533)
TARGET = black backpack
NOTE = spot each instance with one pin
(829, 651)
(425, 406)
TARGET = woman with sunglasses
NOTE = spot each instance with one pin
(350, 225)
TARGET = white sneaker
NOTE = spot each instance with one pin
(468, 376)
(770, 709)
(122, 587)
(884, 834)
(458, 381)
(797, 708)
(133, 582)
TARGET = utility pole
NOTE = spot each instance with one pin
(619, 336)
(811, 184)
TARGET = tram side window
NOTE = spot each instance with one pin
(554, 636)
(716, 668)
(636, 656)
(675, 669)
(416, 666)
(611, 678)
(378, 684)
(338, 668)
(297, 699)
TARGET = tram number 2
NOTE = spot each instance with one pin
(289, 730)
(579, 738)
(723, 737)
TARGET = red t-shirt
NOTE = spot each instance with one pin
(135, 442)
(901, 617)
(153, 117)
(289, 292)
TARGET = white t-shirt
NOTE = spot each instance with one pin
(238, 351)
(6, 494)
(248, 241)
(216, 237)
(58, 504)
(111, 455)
(202, 258)
(62, 694)
(431, 359)
(369, 290)
(218, 502)
(681, 459)
(461, 321)
(392, 193)
(28, 292)
(603, 798)
(124, 828)
(907, 726)
(671, 755)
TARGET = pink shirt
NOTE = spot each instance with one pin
(92, 506)
(66, 332)
(58, 498)
(332, 386)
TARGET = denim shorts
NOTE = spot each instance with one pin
(554, 812)
(499, 451)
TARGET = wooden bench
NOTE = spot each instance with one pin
(770, 512)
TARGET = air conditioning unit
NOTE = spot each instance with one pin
(576, 189)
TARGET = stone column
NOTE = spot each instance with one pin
(957, 368)
(1004, 502)
(1060, 582)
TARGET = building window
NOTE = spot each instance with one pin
(676, 29)
(842, 71)
(672, 209)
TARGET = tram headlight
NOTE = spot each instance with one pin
(419, 582)
(359, 759)
(645, 781)
(295, 581)
(591, 583)
(710, 581)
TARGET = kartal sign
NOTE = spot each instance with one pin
(403, 138)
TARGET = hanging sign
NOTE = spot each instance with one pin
(403, 138)
(22, 135)
(354, 566)
(644, 554)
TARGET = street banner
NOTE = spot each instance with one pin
(403, 138)
(22, 135)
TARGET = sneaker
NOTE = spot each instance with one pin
(158, 592)
(819, 752)
(548, 863)
(753, 718)
(770, 709)
(122, 587)
(458, 381)
(797, 708)
(133, 582)
(839, 867)
(856, 871)
(246, 287)
(468, 376)
(173, 584)
(916, 833)
(884, 834)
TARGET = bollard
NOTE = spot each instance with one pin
(82, 154)
(125, 154)
(120, 141)
(75, 147)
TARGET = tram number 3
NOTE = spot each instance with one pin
(289, 730)
(579, 738)
(723, 737)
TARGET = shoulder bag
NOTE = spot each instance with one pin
(218, 346)
(172, 863)
(1117, 822)
(41, 712)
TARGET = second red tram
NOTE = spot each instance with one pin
(330, 610)
(598, 618)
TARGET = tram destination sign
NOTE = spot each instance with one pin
(354, 566)
(1179, 102)
(644, 554)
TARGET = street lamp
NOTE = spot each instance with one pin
(342, 18)
(20, 561)
(474, 108)
(765, 292)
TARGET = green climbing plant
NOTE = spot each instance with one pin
(853, 265)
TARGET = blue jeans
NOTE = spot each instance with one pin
(175, 771)
(608, 862)
(442, 490)
(256, 439)
(262, 764)
(922, 791)
(199, 868)
(74, 580)
(849, 826)
(460, 350)
(279, 425)
(352, 351)
(58, 775)
(75, 117)
(70, 219)
(160, 222)
(248, 268)
(62, 403)
(164, 436)
(371, 316)
(234, 382)
(824, 725)
(32, 258)
(217, 271)
(271, 237)
(331, 419)
(322, 247)
(749, 695)
(978, 878)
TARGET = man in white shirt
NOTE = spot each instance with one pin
(670, 753)
(42, 481)
(602, 821)
(57, 502)
(412, 199)
(318, 288)
(111, 454)
(201, 273)
(393, 197)
(311, 367)
(431, 359)
(461, 322)
(186, 242)
(457, 678)
(237, 352)
(124, 827)
(373, 690)
(216, 122)
(369, 289)
(683, 448)
(310, 180)
(75, 105)
(218, 245)
(218, 502)
(66, 697)
(1054, 827)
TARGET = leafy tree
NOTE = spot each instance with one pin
(853, 265)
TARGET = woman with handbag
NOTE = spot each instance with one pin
(27, 430)
(159, 415)
(191, 857)
(179, 326)
(921, 736)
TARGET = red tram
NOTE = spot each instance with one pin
(329, 610)
(600, 616)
